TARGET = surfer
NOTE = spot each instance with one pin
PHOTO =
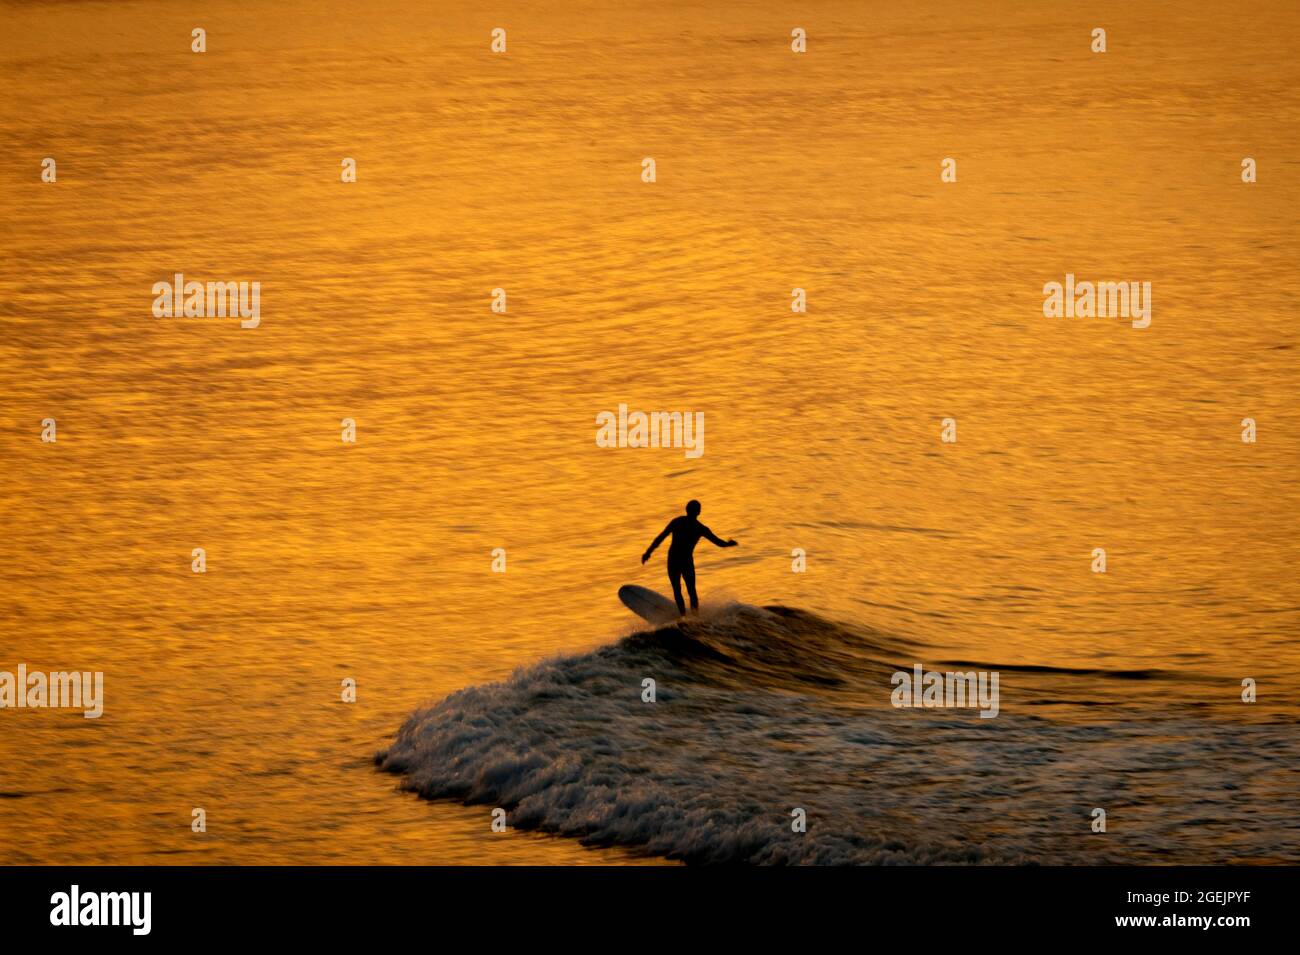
(687, 531)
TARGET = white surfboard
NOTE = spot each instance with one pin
(645, 603)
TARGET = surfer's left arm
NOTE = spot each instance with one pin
(657, 541)
(715, 539)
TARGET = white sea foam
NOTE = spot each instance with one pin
(760, 712)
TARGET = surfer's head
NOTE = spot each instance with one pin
(693, 508)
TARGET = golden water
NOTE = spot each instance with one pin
(372, 561)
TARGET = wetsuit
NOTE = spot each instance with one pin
(686, 531)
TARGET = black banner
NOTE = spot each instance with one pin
(911, 905)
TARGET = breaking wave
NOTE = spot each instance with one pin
(762, 712)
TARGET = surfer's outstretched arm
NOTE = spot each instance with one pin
(714, 538)
(657, 541)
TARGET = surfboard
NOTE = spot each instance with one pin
(645, 603)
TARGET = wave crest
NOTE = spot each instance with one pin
(709, 772)
(760, 712)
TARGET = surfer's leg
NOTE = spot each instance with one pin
(688, 572)
(675, 576)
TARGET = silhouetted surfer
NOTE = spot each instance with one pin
(687, 531)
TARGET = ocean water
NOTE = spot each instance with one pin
(762, 712)
(372, 561)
